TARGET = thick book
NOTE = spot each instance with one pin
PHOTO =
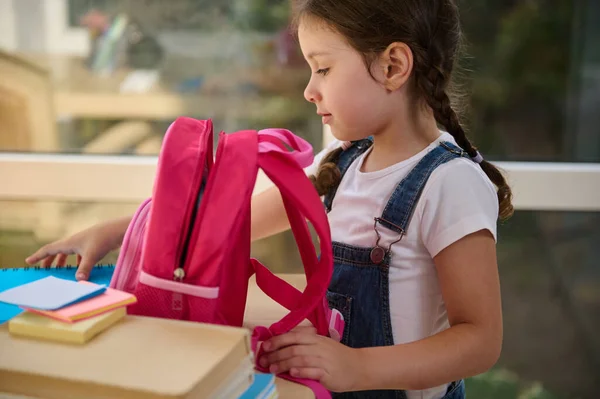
(139, 357)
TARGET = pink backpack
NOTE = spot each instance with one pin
(186, 252)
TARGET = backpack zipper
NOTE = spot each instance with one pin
(179, 272)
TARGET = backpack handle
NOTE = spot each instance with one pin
(274, 140)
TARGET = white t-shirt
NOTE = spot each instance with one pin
(457, 200)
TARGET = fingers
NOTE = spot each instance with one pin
(310, 373)
(301, 362)
(85, 267)
(61, 260)
(48, 253)
(56, 252)
(42, 253)
(285, 354)
(47, 262)
(291, 338)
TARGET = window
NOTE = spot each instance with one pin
(532, 72)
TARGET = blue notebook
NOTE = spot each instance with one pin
(10, 278)
(263, 387)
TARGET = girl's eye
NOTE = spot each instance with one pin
(323, 71)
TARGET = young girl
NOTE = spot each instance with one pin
(412, 209)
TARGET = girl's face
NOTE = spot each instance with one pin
(348, 98)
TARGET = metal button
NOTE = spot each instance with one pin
(377, 255)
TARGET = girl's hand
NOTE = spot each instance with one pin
(308, 355)
(89, 245)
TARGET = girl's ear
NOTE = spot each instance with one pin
(397, 64)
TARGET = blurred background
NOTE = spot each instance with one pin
(82, 79)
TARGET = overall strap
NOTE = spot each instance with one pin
(401, 205)
(345, 160)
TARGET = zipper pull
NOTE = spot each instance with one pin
(178, 274)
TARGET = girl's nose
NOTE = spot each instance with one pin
(311, 94)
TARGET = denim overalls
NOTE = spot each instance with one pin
(359, 287)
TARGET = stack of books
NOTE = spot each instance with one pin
(136, 357)
(64, 310)
(140, 357)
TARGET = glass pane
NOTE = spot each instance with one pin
(530, 69)
(551, 300)
(532, 73)
(25, 226)
(150, 62)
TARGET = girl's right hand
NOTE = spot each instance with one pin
(90, 246)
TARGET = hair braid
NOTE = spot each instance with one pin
(328, 175)
(433, 84)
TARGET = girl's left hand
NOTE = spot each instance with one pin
(308, 355)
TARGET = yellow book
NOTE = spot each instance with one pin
(33, 325)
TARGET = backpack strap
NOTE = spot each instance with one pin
(287, 295)
(347, 157)
(301, 203)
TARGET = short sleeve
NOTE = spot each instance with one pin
(312, 169)
(457, 200)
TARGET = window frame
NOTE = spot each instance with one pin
(541, 186)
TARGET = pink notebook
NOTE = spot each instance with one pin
(109, 300)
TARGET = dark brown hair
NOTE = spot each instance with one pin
(431, 28)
